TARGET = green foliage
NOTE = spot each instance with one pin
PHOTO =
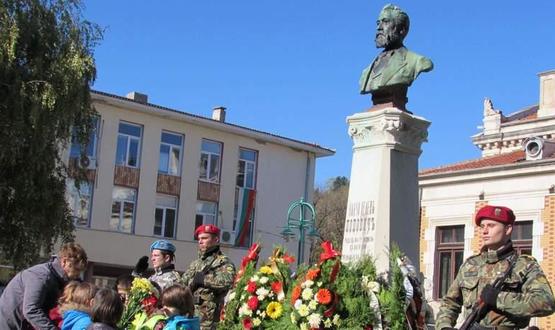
(354, 299)
(392, 298)
(46, 69)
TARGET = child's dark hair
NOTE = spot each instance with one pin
(107, 307)
(180, 298)
(124, 281)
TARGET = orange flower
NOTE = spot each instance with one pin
(312, 274)
(295, 294)
(323, 296)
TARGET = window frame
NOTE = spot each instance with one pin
(204, 214)
(453, 247)
(164, 209)
(77, 198)
(246, 161)
(122, 209)
(209, 162)
(92, 139)
(128, 144)
(171, 147)
(522, 244)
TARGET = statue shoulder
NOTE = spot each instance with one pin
(423, 63)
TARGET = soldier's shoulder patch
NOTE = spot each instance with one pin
(527, 257)
(472, 260)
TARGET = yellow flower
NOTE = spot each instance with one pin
(266, 270)
(141, 285)
(274, 310)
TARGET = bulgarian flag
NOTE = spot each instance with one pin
(245, 208)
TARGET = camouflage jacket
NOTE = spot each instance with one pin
(165, 277)
(219, 275)
(525, 293)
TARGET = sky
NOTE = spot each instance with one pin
(291, 67)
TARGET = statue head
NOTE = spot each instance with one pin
(392, 27)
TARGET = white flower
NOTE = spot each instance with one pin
(314, 320)
(281, 296)
(307, 294)
(319, 283)
(255, 278)
(327, 323)
(262, 293)
(231, 296)
(313, 304)
(262, 314)
(245, 310)
(264, 280)
(307, 284)
(293, 318)
(298, 303)
(256, 321)
(303, 310)
(304, 326)
(336, 321)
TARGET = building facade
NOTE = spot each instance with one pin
(157, 173)
(517, 169)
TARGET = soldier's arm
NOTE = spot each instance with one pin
(536, 298)
(221, 278)
(450, 305)
(189, 274)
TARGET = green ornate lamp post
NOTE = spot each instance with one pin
(305, 223)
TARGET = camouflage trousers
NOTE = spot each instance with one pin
(208, 312)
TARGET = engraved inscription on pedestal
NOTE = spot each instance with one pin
(360, 227)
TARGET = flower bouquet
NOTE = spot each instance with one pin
(141, 306)
(314, 299)
(261, 299)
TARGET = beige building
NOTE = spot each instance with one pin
(517, 169)
(155, 173)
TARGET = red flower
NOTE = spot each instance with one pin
(288, 259)
(251, 287)
(276, 287)
(252, 303)
(295, 294)
(323, 296)
(312, 274)
(149, 304)
(247, 323)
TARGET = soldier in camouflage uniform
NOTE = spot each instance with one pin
(162, 256)
(524, 294)
(209, 277)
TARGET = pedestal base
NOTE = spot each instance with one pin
(383, 205)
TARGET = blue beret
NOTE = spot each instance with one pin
(162, 245)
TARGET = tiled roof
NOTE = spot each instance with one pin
(503, 159)
(527, 113)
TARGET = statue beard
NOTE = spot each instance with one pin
(387, 39)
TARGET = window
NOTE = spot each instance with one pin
(449, 257)
(79, 201)
(129, 143)
(123, 209)
(170, 153)
(522, 237)
(246, 171)
(75, 150)
(206, 213)
(165, 216)
(211, 153)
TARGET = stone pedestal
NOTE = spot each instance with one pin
(383, 206)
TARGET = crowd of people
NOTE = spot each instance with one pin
(52, 295)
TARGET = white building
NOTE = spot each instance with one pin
(517, 170)
(155, 172)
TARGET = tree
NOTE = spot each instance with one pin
(46, 70)
(330, 204)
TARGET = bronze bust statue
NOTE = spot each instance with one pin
(396, 67)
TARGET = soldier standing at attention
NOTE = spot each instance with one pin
(525, 292)
(162, 256)
(209, 277)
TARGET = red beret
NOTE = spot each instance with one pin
(210, 229)
(498, 213)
